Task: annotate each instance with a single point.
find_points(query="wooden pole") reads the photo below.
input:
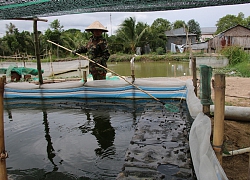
(194, 74)
(37, 52)
(219, 113)
(248, 175)
(85, 76)
(51, 65)
(132, 64)
(3, 171)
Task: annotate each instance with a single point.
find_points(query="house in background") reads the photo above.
(178, 37)
(202, 46)
(207, 33)
(234, 36)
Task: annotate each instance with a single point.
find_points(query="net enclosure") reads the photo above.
(11, 9)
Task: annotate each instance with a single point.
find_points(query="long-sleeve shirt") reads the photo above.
(96, 50)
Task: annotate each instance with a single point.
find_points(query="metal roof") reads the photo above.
(10, 9)
(178, 32)
(208, 30)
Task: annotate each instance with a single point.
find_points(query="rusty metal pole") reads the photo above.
(219, 114)
(3, 156)
(194, 74)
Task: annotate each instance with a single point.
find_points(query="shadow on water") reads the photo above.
(103, 131)
(70, 139)
(50, 149)
(69, 150)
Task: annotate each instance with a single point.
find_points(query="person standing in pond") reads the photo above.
(96, 50)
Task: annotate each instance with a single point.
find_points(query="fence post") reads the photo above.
(194, 74)
(219, 114)
(3, 155)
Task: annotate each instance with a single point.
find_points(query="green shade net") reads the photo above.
(33, 8)
(172, 108)
(20, 70)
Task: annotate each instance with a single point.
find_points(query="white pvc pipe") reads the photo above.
(235, 113)
(239, 151)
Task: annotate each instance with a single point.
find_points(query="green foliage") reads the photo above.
(229, 21)
(239, 62)
(194, 27)
(160, 51)
(235, 54)
(244, 68)
(55, 25)
(179, 24)
(130, 35)
(161, 25)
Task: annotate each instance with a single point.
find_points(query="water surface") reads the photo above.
(70, 139)
(145, 69)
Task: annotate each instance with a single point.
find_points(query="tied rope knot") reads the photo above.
(3, 155)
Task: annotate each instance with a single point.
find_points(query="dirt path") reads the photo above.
(237, 134)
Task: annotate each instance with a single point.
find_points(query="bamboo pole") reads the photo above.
(137, 87)
(238, 151)
(3, 171)
(194, 74)
(219, 111)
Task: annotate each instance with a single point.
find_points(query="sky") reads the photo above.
(206, 17)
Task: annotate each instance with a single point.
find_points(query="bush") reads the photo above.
(235, 54)
(160, 51)
(244, 68)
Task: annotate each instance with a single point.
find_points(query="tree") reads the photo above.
(247, 22)
(157, 33)
(54, 34)
(10, 28)
(229, 21)
(128, 35)
(161, 25)
(144, 36)
(179, 24)
(55, 25)
(74, 39)
(194, 27)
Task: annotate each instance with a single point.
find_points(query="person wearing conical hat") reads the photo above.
(96, 50)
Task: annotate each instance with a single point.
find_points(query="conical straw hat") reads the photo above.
(96, 25)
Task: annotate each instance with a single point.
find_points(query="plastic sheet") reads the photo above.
(205, 162)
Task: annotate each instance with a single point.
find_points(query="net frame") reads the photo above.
(12, 9)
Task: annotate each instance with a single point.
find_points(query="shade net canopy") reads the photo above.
(11, 9)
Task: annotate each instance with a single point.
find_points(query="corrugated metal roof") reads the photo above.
(208, 30)
(178, 32)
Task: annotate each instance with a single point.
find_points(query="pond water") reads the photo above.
(68, 139)
(75, 138)
(146, 69)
